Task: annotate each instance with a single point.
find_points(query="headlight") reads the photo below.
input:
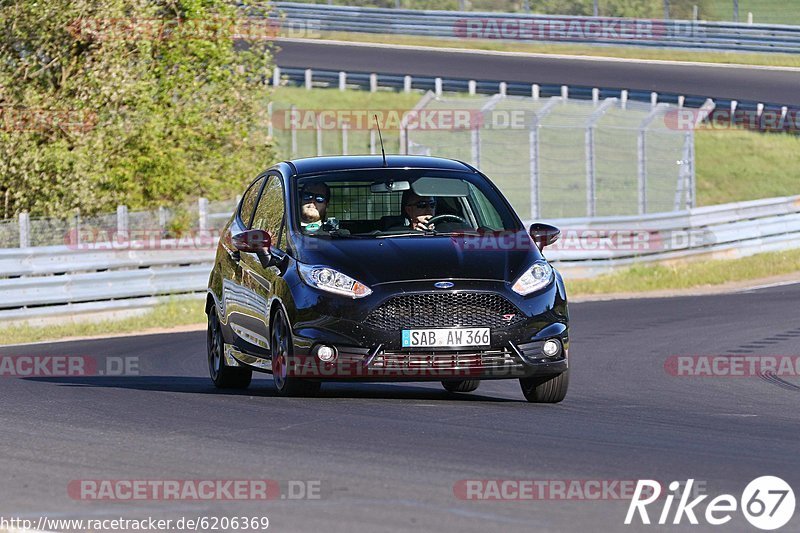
(538, 276)
(328, 279)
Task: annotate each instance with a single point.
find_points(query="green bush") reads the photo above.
(165, 117)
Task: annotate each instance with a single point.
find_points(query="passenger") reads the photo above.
(313, 206)
(418, 210)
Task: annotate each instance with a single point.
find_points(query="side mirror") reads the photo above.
(544, 234)
(252, 241)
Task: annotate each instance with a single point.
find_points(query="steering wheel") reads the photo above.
(437, 218)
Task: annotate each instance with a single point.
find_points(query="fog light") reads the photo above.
(326, 354)
(551, 348)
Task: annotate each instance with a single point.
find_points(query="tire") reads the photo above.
(282, 347)
(223, 376)
(461, 385)
(547, 389)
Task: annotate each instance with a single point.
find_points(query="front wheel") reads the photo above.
(281, 347)
(545, 390)
(223, 376)
(461, 385)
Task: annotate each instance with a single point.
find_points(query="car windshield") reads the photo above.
(387, 203)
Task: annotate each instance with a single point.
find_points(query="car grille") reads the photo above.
(444, 361)
(445, 310)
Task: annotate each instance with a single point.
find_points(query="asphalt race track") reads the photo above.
(761, 85)
(388, 456)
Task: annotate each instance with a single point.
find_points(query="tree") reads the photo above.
(142, 102)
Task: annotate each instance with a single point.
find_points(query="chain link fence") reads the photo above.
(76, 229)
(557, 158)
(552, 157)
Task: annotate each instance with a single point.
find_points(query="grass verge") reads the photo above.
(170, 314)
(622, 52)
(688, 275)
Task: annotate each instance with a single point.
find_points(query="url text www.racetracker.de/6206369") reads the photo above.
(195, 523)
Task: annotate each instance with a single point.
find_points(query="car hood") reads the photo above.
(375, 261)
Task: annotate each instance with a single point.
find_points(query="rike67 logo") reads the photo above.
(767, 503)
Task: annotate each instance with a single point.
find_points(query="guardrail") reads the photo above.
(373, 81)
(58, 281)
(525, 27)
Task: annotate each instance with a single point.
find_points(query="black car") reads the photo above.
(396, 269)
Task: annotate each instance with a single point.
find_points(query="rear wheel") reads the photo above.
(223, 376)
(461, 385)
(551, 389)
(281, 345)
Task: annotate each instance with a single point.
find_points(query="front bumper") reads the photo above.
(378, 364)
(368, 353)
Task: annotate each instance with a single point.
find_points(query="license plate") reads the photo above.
(422, 338)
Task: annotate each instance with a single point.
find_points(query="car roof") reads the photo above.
(316, 165)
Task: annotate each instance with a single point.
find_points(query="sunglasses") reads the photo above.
(308, 197)
(423, 204)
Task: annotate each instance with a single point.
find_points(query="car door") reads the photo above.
(263, 276)
(240, 309)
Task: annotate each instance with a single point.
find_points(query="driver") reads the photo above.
(418, 210)
(313, 206)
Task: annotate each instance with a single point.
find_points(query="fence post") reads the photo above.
(345, 126)
(690, 172)
(406, 84)
(503, 88)
(202, 214)
(533, 158)
(78, 225)
(309, 79)
(653, 99)
(319, 135)
(24, 230)
(595, 96)
(293, 131)
(404, 139)
(591, 178)
(373, 82)
(736, 10)
(475, 144)
(162, 217)
(122, 222)
(472, 87)
(535, 91)
(641, 168)
(641, 147)
(276, 76)
(372, 139)
(270, 130)
(342, 80)
(623, 98)
(437, 84)
(565, 92)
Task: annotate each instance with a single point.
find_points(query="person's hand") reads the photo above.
(423, 223)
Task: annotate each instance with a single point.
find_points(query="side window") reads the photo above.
(249, 201)
(269, 213)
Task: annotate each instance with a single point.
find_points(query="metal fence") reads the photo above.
(76, 229)
(544, 28)
(719, 10)
(552, 157)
